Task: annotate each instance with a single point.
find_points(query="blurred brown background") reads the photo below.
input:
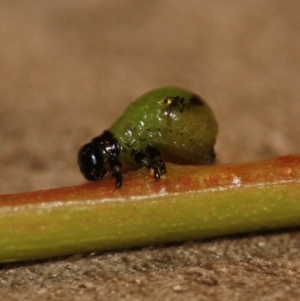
(69, 68)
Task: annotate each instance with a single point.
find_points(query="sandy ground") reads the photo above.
(69, 68)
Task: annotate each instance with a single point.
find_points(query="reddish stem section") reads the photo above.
(181, 178)
(189, 202)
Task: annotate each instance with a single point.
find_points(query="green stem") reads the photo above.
(190, 202)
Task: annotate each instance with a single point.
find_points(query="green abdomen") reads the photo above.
(173, 120)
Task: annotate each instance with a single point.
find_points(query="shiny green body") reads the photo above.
(173, 120)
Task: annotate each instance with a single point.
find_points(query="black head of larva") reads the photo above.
(102, 150)
(91, 162)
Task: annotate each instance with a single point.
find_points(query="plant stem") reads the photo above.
(189, 202)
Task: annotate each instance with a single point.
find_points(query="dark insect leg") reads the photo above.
(156, 159)
(116, 168)
(143, 160)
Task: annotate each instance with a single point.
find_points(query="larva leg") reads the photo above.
(142, 159)
(156, 159)
(116, 168)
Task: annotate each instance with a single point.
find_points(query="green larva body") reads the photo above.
(164, 122)
(173, 120)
